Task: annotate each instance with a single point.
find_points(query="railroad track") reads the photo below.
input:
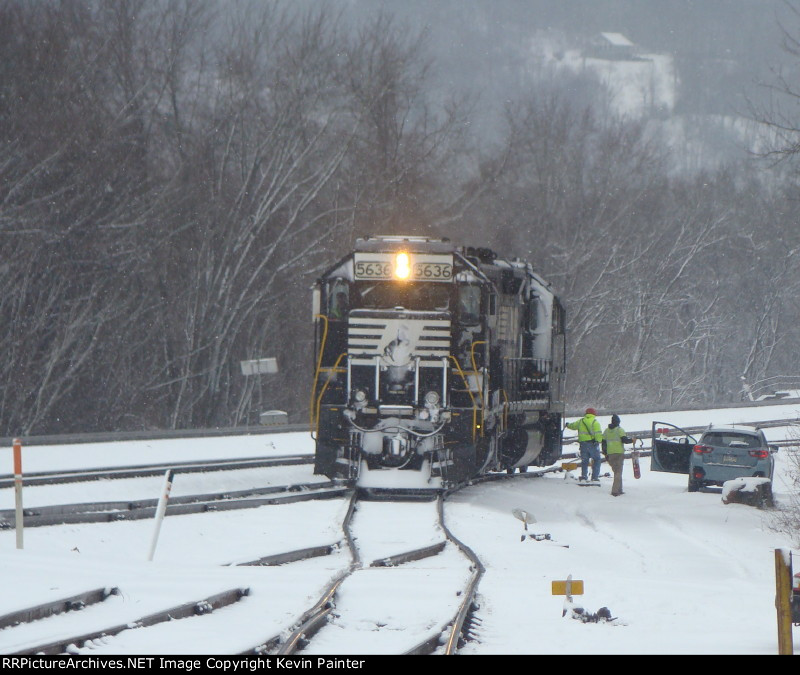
(104, 512)
(145, 470)
(453, 626)
(338, 626)
(87, 601)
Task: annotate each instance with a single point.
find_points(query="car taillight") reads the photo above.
(702, 449)
(796, 584)
(759, 454)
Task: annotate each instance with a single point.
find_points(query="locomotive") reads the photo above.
(434, 364)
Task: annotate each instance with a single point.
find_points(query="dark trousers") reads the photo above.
(590, 450)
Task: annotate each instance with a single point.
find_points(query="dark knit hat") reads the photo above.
(615, 420)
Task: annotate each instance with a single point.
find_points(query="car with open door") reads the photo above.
(720, 454)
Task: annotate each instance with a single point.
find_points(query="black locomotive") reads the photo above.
(434, 364)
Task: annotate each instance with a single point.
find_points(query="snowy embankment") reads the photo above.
(681, 572)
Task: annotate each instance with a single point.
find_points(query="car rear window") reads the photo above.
(721, 439)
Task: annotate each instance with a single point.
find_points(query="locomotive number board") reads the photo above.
(402, 266)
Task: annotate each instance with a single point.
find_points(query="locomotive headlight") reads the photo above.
(360, 398)
(432, 399)
(402, 266)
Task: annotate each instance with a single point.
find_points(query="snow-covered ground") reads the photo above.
(682, 573)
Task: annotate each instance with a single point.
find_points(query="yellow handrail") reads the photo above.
(312, 422)
(475, 370)
(322, 391)
(472, 398)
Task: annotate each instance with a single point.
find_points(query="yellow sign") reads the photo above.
(569, 466)
(560, 587)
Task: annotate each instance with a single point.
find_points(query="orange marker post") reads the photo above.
(17, 445)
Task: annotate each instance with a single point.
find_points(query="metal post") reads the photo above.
(783, 594)
(161, 510)
(349, 379)
(377, 378)
(17, 445)
(416, 381)
(445, 402)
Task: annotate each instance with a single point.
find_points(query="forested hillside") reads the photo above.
(174, 174)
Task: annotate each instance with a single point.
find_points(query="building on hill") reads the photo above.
(611, 47)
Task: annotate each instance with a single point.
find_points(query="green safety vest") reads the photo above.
(613, 439)
(588, 429)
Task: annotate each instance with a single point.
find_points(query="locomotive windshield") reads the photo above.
(414, 296)
(338, 299)
(469, 304)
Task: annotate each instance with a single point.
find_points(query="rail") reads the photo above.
(186, 610)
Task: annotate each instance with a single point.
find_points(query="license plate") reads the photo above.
(729, 459)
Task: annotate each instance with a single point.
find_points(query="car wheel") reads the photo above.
(695, 485)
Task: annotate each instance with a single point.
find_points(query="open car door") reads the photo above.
(672, 448)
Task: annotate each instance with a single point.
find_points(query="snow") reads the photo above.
(746, 484)
(681, 573)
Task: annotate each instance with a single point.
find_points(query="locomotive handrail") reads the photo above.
(469, 391)
(475, 370)
(505, 410)
(311, 421)
(322, 393)
(545, 372)
(479, 381)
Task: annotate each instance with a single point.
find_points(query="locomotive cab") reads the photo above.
(433, 364)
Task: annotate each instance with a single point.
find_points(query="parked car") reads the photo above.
(720, 454)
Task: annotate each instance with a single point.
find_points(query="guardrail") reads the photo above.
(152, 435)
(162, 434)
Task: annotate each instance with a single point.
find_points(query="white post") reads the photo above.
(161, 510)
(17, 444)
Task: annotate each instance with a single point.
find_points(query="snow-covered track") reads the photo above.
(70, 604)
(458, 624)
(315, 617)
(291, 556)
(107, 473)
(75, 642)
(104, 512)
(335, 623)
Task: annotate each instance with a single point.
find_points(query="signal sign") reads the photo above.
(568, 587)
